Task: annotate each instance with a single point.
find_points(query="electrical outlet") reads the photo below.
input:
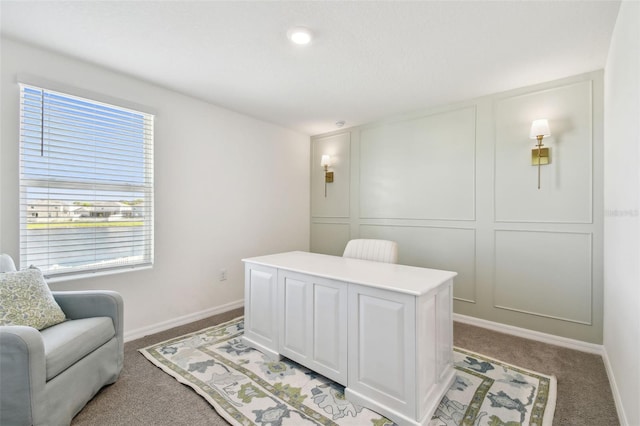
(223, 274)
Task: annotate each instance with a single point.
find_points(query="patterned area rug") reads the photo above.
(247, 388)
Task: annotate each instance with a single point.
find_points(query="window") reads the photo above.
(86, 184)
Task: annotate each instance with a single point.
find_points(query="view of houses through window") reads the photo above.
(86, 184)
(54, 212)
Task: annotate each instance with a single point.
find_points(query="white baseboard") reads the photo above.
(551, 339)
(175, 322)
(622, 417)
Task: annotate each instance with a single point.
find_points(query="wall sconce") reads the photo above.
(539, 155)
(325, 162)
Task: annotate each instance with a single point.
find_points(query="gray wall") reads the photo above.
(454, 186)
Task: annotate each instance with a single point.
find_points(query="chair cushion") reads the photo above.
(25, 299)
(70, 341)
(376, 250)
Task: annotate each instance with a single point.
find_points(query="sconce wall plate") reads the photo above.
(539, 155)
(544, 158)
(325, 162)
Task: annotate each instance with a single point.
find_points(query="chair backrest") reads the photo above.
(6, 263)
(377, 250)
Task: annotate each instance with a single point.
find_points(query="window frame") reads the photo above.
(145, 188)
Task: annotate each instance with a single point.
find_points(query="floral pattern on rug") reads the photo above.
(487, 392)
(248, 388)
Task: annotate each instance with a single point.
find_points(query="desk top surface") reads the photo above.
(400, 278)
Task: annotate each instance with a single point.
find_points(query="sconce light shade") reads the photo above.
(539, 128)
(325, 161)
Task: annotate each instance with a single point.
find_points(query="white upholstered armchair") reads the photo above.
(47, 375)
(376, 250)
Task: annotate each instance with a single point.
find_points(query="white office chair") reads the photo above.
(376, 250)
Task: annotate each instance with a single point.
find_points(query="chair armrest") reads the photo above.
(22, 373)
(89, 304)
(95, 303)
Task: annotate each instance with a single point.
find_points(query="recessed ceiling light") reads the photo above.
(299, 35)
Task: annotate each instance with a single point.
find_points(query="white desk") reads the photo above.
(384, 331)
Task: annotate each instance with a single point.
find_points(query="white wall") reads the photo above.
(622, 207)
(227, 186)
(454, 186)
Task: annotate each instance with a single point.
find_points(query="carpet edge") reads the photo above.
(499, 361)
(224, 414)
(550, 412)
(550, 409)
(203, 330)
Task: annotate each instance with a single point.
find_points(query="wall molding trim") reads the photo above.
(413, 181)
(586, 80)
(185, 319)
(522, 311)
(383, 222)
(551, 339)
(495, 283)
(622, 417)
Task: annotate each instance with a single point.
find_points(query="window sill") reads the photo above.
(72, 277)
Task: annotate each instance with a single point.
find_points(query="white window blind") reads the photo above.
(86, 184)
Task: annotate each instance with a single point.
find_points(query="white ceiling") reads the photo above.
(368, 60)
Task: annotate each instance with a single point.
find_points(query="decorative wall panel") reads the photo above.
(329, 238)
(544, 273)
(336, 201)
(565, 195)
(451, 249)
(423, 168)
(454, 186)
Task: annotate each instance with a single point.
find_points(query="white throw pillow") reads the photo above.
(25, 299)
